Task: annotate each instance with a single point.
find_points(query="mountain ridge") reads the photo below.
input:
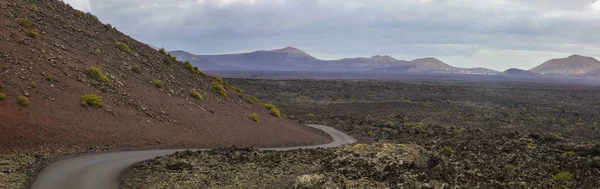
(294, 59)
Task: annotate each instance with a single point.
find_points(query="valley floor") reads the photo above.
(413, 134)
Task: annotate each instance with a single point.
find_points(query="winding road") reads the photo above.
(101, 171)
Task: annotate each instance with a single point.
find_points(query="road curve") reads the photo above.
(101, 171)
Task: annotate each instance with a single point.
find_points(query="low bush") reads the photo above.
(457, 131)
(123, 46)
(78, 13)
(162, 50)
(2, 96)
(92, 100)
(447, 149)
(570, 154)
(254, 117)
(136, 68)
(23, 100)
(310, 115)
(240, 91)
(564, 176)
(96, 73)
(26, 23)
(269, 106)
(167, 60)
(50, 78)
(275, 112)
(218, 88)
(172, 57)
(5, 67)
(34, 84)
(196, 94)
(157, 83)
(191, 67)
(32, 33)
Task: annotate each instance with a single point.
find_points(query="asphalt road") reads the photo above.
(101, 171)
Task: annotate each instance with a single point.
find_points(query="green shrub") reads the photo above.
(196, 95)
(254, 117)
(191, 67)
(144, 61)
(218, 88)
(26, 23)
(371, 133)
(50, 78)
(136, 68)
(157, 83)
(219, 80)
(162, 50)
(78, 13)
(123, 46)
(239, 90)
(23, 100)
(570, 154)
(125, 40)
(32, 33)
(275, 112)
(92, 100)
(167, 60)
(457, 131)
(310, 115)
(269, 106)
(172, 57)
(510, 166)
(564, 176)
(5, 67)
(96, 73)
(33, 84)
(253, 98)
(531, 144)
(447, 149)
(2, 96)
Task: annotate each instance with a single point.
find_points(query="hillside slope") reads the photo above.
(47, 52)
(572, 65)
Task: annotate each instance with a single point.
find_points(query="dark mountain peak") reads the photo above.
(428, 59)
(293, 51)
(514, 70)
(431, 62)
(288, 49)
(385, 58)
(577, 56)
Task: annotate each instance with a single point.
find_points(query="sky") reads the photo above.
(496, 34)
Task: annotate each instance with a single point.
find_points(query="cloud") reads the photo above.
(83, 5)
(469, 29)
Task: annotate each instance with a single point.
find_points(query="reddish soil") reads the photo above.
(135, 112)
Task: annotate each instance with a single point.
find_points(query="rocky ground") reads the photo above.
(470, 135)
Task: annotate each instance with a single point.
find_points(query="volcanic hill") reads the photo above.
(66, 80)
(572, 65)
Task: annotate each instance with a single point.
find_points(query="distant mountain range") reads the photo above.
(293, 59)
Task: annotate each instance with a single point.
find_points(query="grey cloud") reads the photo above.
(410, 28)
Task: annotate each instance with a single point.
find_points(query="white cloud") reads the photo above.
(595, 6)
(457, 29)
(83, 5)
